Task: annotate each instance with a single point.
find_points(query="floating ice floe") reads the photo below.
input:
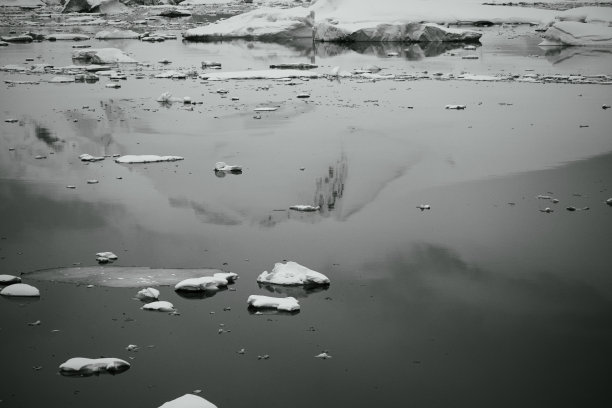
(331, 31)
(259, 74)
(81, 366)
(265, 23)
(288, 304)
(206, 283)
(102, 56)
(324, 356)
(146, 159)
(132, 347)
(9, 279)
(160, 306)
(67, 37)
(305, 208)
(104, 257)
(580, 26)
(20, 289)
(189, 401)
(456, 107)
(292, 273)
(222, 166)
(89, 158)
(148, 294)
(116, 35)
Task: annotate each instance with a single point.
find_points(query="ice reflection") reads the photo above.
(411, 52)
(293, 291)
(561, 54)
(47, 136)
(199, 295)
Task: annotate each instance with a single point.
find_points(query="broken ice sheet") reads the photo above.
(118, 276)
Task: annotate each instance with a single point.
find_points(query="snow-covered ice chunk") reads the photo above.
(292, 273)
(189, 401)
(103, 56)
(9, 279)
(81, 366)
(107, 255)
(324, 355)
(146, 159)
(288, 304)
(160, 306)
(305, 208)
(20, 289)
(222, 166)
(206, 283)
(89, 158)
(147, 294)
(265, 23)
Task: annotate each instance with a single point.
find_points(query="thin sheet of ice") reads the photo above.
(147, 158)
(118, 276)
(188, 401)
(288, 304)
(20, 289)
(292, 273)
(259, 74)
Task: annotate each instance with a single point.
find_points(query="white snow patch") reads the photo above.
(288, 304)
(20, 289)
(160, 306)
(189, 401)
(292, 273)
(146, 159)
(89, 366)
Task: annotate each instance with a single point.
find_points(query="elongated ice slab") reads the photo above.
(159, 306)
(288, 304)
(189, 401)
(20, 289)
(81, 366)
(89, 158)
(146, 159)
(305, 208)
(292, 273)
(119, 276)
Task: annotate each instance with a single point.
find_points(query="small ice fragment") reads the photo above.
(303, 95)
(210, 64)
(323, 356)
(92, 181)
(241, 351)
(132, 347)
(20, 289)
(606, 106)
(89, 158)
(10, 120)
(469, 47)
(266, 109)
(39, 157)
(165, 61)
(570, 208)
(113, 85)
(89, 286)
(544, 197)
(547, 210)
(264, 357)
(424, 207)
(222, 91)
(288, 304)
(470, 57)
(456, 107)
(36, 323)
(108, 255)
(71, 187)
(186, 99)
(9, 279)
(609, 201)
(555, 201)
(222, 166)
(160, 305)
(305, 208)
(148, 293)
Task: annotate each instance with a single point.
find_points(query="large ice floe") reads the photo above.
(20, 289)
(85, 367)
(147, 158)
(119, 276)
(287, 304)
(580, 26)
(188, 401)
(206, 283)
(102, 56)
(366, 20)
(292, 273)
